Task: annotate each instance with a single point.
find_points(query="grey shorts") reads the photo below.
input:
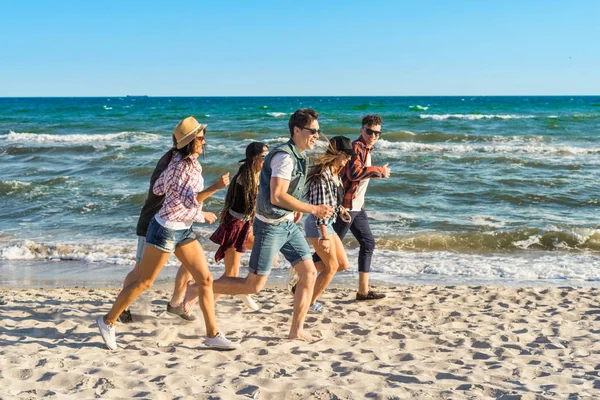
(140, 249)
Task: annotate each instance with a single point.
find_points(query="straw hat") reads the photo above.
(187, 130)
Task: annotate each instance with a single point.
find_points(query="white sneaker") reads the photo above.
(317, 308)
(107, 332)
(220, 342)
(248, 301)
(293, 279)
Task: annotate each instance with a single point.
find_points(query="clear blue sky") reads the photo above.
(289, 48)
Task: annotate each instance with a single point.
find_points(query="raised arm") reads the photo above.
(356, 169)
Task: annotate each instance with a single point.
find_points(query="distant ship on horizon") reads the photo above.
(137, 96)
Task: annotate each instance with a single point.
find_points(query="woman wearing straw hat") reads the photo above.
(170, 231)
(152, 205)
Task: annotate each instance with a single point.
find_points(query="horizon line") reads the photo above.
(296, 96)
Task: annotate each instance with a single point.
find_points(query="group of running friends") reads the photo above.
(265, 200)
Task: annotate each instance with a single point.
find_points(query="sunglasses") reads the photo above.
(315, 132)
(371, 132)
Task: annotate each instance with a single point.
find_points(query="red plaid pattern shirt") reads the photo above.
(356, 170)
(180, 183)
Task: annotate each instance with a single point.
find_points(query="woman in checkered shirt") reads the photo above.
(170, 231)
(324, 186)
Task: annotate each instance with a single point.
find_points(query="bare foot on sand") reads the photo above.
(191, 297)
(304, 336)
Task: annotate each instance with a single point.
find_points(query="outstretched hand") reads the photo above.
(386, 170)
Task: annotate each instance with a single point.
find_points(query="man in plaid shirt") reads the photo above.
(355, 177)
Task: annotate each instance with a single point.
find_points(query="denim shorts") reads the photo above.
(311, 229)
(270, 239)
(166, 239)
(140, 248)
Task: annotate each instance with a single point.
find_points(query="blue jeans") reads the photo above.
(360, 228)
(167, 239)
(270, 239)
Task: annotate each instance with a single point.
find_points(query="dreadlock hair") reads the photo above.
(248, 179)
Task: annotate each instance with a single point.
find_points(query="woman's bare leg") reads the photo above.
(132, 275)
(331, 262)
(192, 257)
(181, 283)
(152, 262)
(232, 261)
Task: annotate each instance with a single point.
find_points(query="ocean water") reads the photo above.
(483, 189)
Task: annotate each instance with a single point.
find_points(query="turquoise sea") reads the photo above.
(497, 190)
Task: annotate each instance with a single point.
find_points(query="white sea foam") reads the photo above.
(16, 253)
(418, 108)
(482, 220)
(517, 148)
(390, 265)
(44, 138)
(272, 140)
(277, 114)
(390, 215)
(442, 117)
(577, 237)
(15, 184)
(92, 253)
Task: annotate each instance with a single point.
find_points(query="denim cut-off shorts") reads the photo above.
(311, 229)
(270, 239)
(167, 239)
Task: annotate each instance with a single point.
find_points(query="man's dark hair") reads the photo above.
(372, 120)
(302, 118)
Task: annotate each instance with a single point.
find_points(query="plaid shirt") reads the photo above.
(180, 183)
(356, 171)
(324, 191)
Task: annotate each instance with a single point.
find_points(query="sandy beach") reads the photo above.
(425, 342)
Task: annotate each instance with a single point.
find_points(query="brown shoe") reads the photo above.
(369, 296)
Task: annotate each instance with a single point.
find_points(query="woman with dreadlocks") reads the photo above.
(234, 234)
(324, 186)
